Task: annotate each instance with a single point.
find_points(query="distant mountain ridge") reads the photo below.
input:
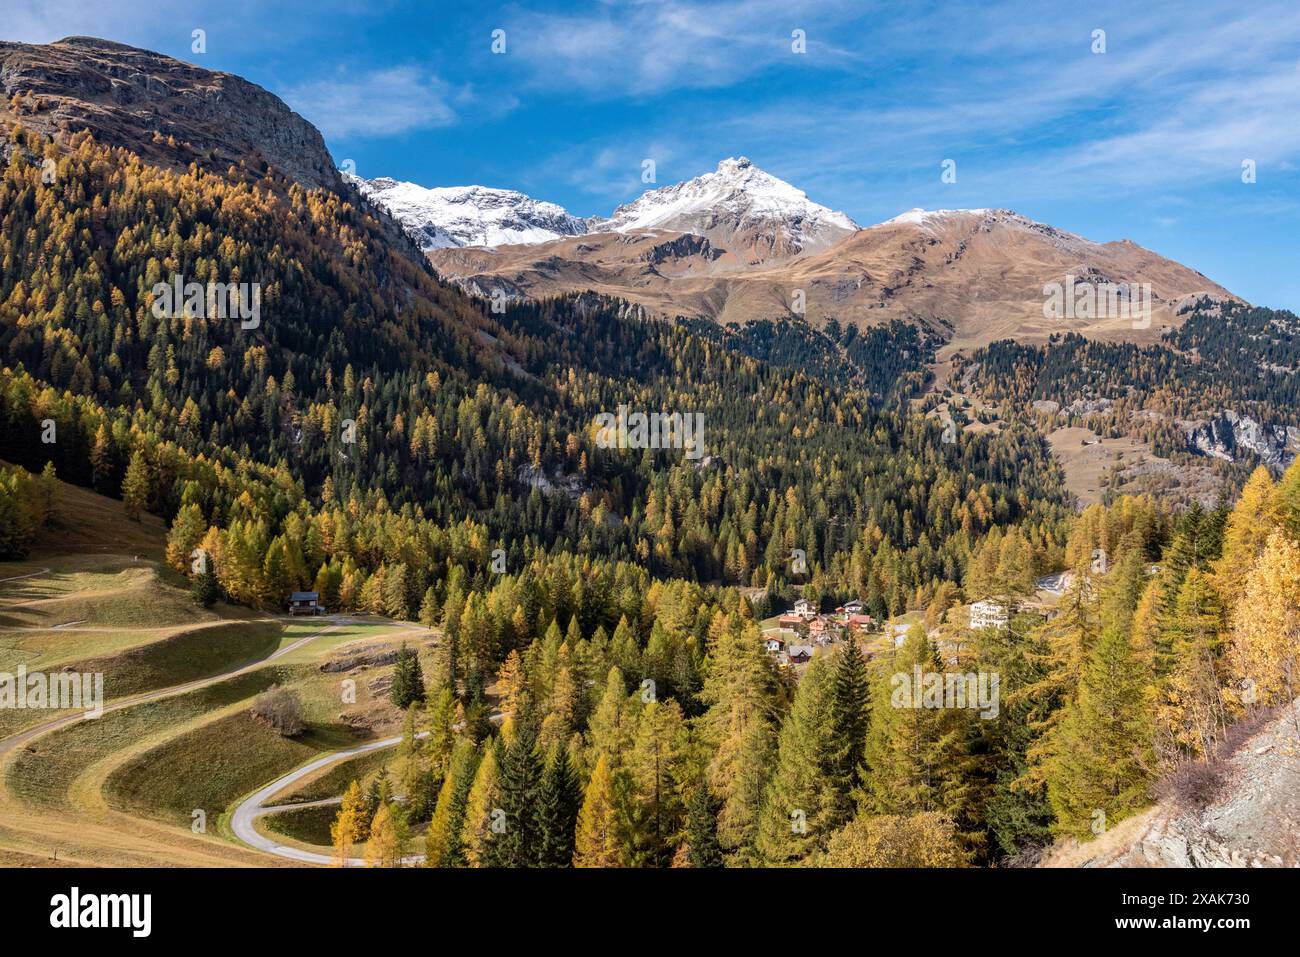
(737, 245)
(969, 276)
(733, 245)
(739, 206)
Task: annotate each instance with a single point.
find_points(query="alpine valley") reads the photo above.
(367, 581)
(794, 282)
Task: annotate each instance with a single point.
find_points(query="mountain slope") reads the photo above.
(1254, 820)
(167, 111)
(370, 385)
(983, 273)
(972, 276)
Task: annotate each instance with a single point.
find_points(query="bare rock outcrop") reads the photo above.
(1254, 822)
(125, 96)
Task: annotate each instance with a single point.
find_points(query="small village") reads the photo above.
(795, 636)
(798, 633)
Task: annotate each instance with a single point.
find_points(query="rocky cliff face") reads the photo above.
(170, 112)
(1227, 435)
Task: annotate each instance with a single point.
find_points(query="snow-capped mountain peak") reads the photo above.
(469, 215)
(739, 206)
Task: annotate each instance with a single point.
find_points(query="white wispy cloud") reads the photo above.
(384, 102)
(1180, 97)
(649, 46)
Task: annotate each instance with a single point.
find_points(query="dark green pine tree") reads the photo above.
(702, 847)
(558, 802)
(477, 713)
(1212, 532)
(1102, 758)
(399, 693)
(521, 779)
(417, 678)
(204, 589)
(1204, 531)
(377, 793)
(408, 679)
(850, 715)
(1179, 558)
(1014, 816)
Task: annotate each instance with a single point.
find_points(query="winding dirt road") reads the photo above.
(250, 809)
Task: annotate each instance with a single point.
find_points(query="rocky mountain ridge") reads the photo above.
(170, 112)
(750, 212)
(967, 276)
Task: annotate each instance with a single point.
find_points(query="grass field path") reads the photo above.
(28, 832)
(17, 740)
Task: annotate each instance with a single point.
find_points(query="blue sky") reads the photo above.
(1144, 141)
